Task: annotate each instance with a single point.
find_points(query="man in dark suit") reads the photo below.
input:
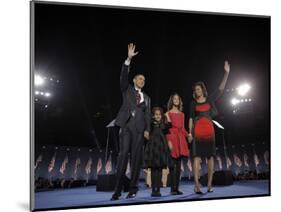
(134, 122)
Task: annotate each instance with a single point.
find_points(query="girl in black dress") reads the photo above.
(157, 151)
(201, 129)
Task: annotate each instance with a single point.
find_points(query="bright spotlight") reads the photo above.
(38, 80)
(235, 101)
(37, 92)
(243, 89)
(47, 94)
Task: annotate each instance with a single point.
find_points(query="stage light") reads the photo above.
(243, 89)
(47, 94)
(38, 80)
(235, 101)
(37, 92)
(42, 93)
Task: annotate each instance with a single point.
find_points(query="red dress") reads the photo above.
(203, 144)
(204, 129)
(177, 135)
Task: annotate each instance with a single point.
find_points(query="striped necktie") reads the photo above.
(138, 97)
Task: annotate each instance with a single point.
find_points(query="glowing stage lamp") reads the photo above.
(47, 94)
(38, 80)
(243, 89)
(235, 101)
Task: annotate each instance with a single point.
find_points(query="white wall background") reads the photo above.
(14, 111)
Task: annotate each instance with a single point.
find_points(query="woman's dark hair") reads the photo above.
(170, 102)
(203, 87)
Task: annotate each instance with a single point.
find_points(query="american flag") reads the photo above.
(219, 162)
(189, 165)
(52, 163)
(88, 166)
(128, 170)
(256, 159)
(108, 166)
(237, 160)
(200, 161)
(99, 166)
(39, 159)
(245, 157)
(182, 167)
(228, 162)
(77, 163)
(63, 165)
(266, 157)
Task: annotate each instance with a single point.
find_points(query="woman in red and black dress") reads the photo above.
(201, 129)
(176, 138)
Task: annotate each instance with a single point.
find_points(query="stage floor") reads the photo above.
(88, 196)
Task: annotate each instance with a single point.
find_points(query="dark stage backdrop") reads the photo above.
(84, 47)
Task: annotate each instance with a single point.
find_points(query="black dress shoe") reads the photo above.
(131, 195)
(210, 190)
(159, 194)
(115, 196)
(179, 192)
(156, 194)
(176, 192)
(198, 191)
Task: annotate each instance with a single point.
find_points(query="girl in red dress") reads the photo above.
(202, 133)
(176, 138)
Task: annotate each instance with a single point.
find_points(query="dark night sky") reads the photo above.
(84, 48)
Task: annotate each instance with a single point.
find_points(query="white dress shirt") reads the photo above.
(141, 94)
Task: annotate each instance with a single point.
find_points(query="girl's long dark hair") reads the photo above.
(170, 102)
(163, 121)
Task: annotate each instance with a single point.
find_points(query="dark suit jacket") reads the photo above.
(140, 114)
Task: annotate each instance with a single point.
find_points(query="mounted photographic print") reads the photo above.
(142, 106)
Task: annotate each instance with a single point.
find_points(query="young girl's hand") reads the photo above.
(167, 117)
(170, 145)
(189, 137)
(146, 135)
